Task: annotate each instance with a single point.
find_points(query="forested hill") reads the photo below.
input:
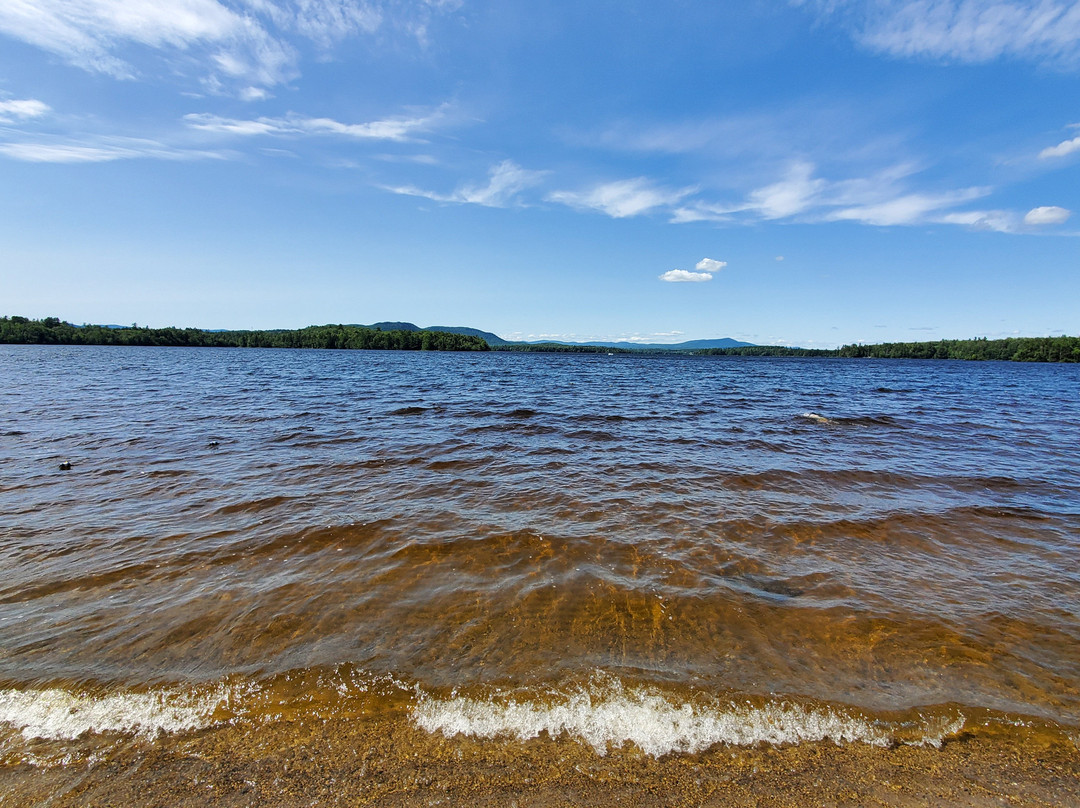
(1017, 349)
(52, 331)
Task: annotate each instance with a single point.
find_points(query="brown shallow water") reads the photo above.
(346, 578)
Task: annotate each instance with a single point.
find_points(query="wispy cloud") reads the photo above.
(88, 33)
(884, 199)
(325, 22)
(792, 195)
(22, 109)
(246, 41)
(999, 221)
(505, 182)
(622, 198)
(102, 151)
(907, 209)
(398, 128)
(961, 30)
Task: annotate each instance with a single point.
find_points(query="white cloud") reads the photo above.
(621, 199)
(85, 32)
(999, 221)
(1062, 149)
(710, 265)
(506, 180)
(905, 209)
(791, 195)
(698, 211)
(101, 152)
(882, 199)
(22, 109)
(254, 94)
(1048, 214)
(231, 126)
(684, 276)
(325, 22)
(245, 40)
(961, 30)
(399, 129)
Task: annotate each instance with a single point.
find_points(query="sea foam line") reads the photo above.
(655, 724)
(57, 714)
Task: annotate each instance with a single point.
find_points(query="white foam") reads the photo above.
(61, 714)
(646, 718)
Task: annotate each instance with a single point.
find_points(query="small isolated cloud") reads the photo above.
(1048, 214)
(1064, 148)
(685, 276)
(621, 199)
(710, 265)
(779, 258)
(21, 109)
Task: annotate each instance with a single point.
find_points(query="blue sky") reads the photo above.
(813, 172)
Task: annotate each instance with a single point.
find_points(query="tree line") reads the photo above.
(53, 331)
(1015, 349)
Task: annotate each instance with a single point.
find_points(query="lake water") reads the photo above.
(323, 577)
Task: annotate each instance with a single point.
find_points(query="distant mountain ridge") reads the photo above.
(495, 339)
(487, 336)
(691, 345)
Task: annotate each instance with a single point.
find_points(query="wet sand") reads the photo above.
(367, 762)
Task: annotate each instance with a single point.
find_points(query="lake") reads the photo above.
(332, 577)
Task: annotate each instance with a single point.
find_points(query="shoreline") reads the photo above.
(369, 761)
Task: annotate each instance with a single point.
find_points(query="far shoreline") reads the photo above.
(16, 330)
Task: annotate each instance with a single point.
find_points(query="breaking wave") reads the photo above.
(608, 715)
(57, 714)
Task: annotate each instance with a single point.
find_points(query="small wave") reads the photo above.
(522, 412)
(608, 716)
(597, 435)
(408, 411)
(854, 420)
(254, 506)
(57, 714)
